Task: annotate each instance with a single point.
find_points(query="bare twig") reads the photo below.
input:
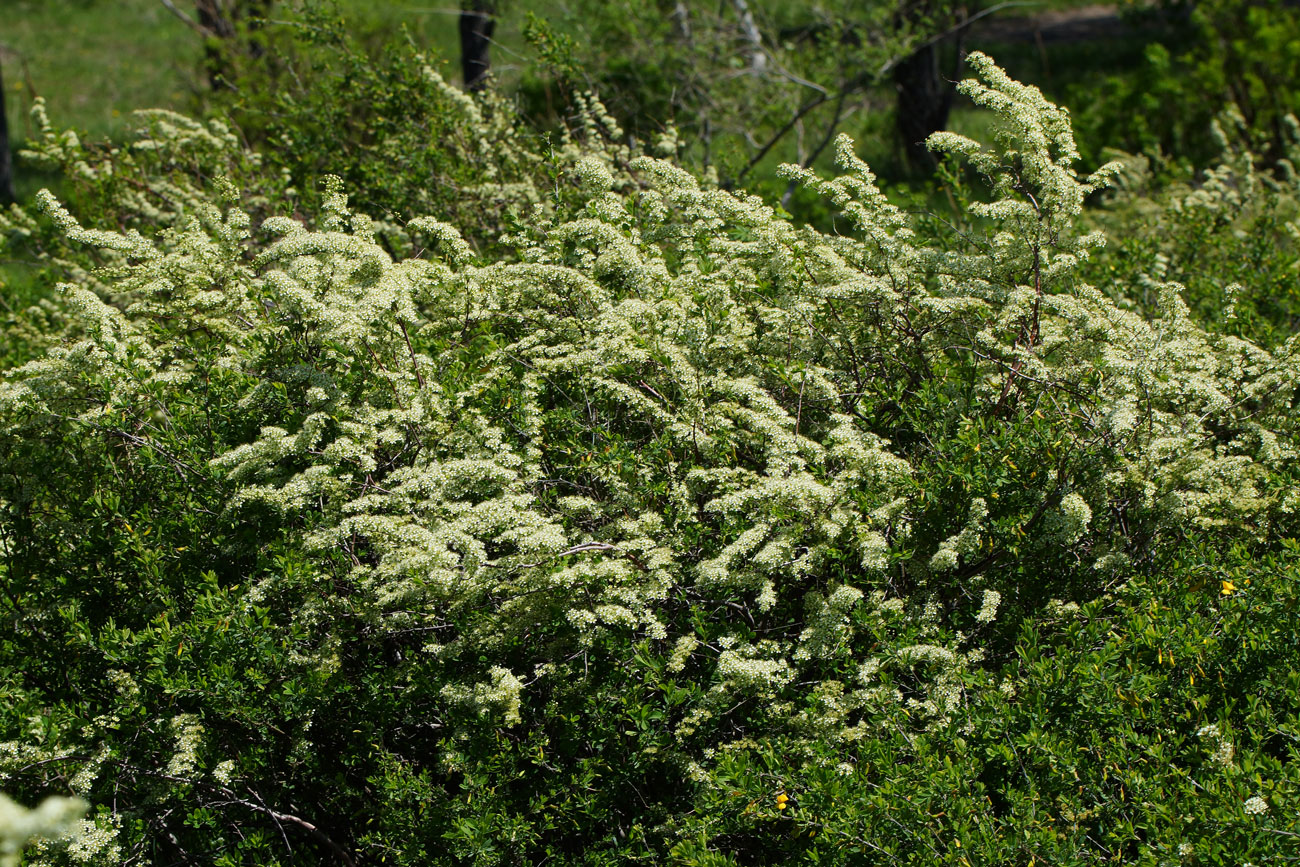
(316, 833)
(415, 365)
(189, 22)
(781, 133)
(585, 547)
(821, 146)
(650, 389)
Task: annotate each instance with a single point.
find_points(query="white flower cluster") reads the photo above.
(189, 737)
(593, 176)
(224, 772)
(989, 607)
(15, 755)
(828, 629)
(124, 683)
(1223, 750)
(500, 694)
(963, 544)
(1075, 516)
(748, 673)
(682, 651)
(86, 775)
(94, 841)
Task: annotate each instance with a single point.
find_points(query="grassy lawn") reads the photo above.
(94, 62)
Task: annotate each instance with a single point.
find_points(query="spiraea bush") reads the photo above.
(467, 157)
(385, 120)
(676, 533)
(1227, 234)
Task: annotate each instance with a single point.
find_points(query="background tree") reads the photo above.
(6, 158)
(750, 84)
(220, 23)
(925, 79)
(477, 23)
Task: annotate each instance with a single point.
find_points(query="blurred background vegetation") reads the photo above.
(1135, 75)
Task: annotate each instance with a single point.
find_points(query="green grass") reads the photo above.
(94, 61)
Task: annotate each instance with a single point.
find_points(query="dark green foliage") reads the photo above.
(1201, 58)
(1089, 747)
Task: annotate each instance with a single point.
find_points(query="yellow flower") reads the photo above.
(1228, 588)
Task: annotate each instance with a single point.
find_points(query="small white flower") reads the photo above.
(189, 733)
(1075, 516)
(1255, 806)
(682, 651)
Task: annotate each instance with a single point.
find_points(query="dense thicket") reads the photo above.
(655, 527)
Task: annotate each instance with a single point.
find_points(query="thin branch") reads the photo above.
(415, 365)
(311, 829)
(802, 82)
(231, 798)
(821, 146)
(757, 57)
(189, 22)
(862, 79)
(583, 548)
(781, 133)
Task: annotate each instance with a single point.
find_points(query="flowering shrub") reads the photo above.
(1228, 236)
(403, 139)
(677, 531)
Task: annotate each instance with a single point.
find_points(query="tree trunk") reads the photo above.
(924, 100)
(220, 28)
(220, 20)
(477, 22)
(6, 157)
(925, 94)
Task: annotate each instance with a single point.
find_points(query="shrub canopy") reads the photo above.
(675, 531)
